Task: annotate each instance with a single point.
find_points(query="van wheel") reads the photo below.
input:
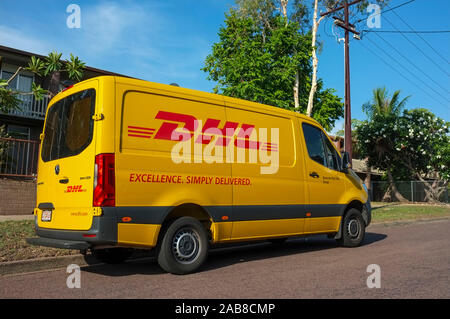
(184, 246)
(353, 229)
(112, 255)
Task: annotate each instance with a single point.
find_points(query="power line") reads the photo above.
(414, 65)
(398, 72)
(416, 32)
(423, 53)
(400, 5)
(435, 51)
(407, 70)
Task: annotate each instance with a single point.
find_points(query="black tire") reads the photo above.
(353, 229)
(112, 255)
(183, 247)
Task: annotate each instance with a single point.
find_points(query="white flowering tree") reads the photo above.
(416, 140)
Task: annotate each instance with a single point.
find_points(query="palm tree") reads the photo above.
(382, 106)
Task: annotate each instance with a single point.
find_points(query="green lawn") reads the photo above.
(13, 245)
(385, 212)
(13, 233)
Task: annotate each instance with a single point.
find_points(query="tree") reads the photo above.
(262, 12)
(53, 66)
(383, 109)
(416, 141)
(382, 105)
(423, 147)
(261, 59)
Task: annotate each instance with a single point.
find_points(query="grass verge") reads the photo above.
(13, 246)
(401, 212)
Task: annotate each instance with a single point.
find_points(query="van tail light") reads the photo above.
(104, 180)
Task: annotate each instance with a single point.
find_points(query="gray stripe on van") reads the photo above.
(157, 214)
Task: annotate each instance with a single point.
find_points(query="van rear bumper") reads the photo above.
(103, 232)
(58, 243)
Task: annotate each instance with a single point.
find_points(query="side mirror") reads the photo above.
(346, 162)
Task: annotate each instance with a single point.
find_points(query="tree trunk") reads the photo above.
(432, 192)
(54, 83)
(283, 4)
(312, 92)
(368, 178)
(394, 191)
(296, 85)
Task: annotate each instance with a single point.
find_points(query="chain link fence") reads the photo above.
(414, 191)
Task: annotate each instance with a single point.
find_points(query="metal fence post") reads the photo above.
(412, 191)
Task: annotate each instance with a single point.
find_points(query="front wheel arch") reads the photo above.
(353, 204)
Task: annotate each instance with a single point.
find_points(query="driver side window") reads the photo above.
(319, 147)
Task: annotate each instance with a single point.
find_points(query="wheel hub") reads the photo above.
(185, 245)
(353, 228)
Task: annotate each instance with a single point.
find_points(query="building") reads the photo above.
(359, 165)
(18, 163)
(27, 123)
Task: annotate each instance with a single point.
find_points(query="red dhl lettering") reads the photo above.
(177, 179)
(75, 189)
(168, 131)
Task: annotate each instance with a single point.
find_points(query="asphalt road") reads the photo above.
(414, 260)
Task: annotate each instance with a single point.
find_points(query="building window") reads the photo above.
(21, 83)
(19, 132)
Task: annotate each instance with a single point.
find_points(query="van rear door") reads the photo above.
(67, 161)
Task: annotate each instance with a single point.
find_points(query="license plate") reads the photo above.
(46, 216)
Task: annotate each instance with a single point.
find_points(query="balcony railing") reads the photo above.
(18, 158)
(30, 107)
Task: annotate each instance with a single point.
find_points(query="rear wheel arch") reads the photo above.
(186, 210)
(184, 239)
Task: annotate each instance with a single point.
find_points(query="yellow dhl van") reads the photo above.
(108, 179)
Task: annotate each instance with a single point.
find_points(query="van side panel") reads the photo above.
(147, 177)
(274, 204)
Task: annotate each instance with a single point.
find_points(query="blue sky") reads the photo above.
(167, 41)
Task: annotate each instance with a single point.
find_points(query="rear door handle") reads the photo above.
(314, 175)
(64, 181)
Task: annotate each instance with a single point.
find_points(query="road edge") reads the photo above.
(49, 263)
(37, 264)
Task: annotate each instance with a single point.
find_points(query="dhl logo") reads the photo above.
(190, 124)
(75, 189)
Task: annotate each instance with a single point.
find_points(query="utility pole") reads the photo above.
(348, 27)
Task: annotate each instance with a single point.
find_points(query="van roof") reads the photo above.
(176, 89)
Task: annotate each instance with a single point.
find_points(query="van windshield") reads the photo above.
(69, 126)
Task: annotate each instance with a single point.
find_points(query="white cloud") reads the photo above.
(21, 40)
